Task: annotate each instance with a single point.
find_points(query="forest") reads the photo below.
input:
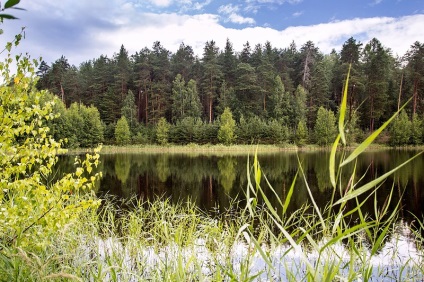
(260, 94)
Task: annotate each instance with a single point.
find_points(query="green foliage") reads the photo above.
(400, 131)
(185, 99)
(122, 132)
(162, 130)
(10, 4)
(352, 128)
(298, 106)
(416, 130)
(288, 85)
(86, 129)
(227, 127)
(333, 223)
(187, 130)
(129, 111)
(280, 101)
(301, 135)
(277, 132)
(325, 127)
(33, 203)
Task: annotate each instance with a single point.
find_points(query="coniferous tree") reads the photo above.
(280, 101)
(182, 62)
(129, 111)
(143, 82)
(299, 106)
(123, 71)
(245, 54)
(179, 98)
(212, 76)
(246, 90)
(194, 107)
(415, 71)
(226, 98)
(228, 62)
(376, 66)
(161, 83)
(266, 74)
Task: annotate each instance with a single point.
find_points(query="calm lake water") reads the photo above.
(213, 182)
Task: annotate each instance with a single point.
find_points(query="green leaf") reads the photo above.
(332, 162)
(343, 109)
(289, 195)
(371, 184)
(11, 3)
(371, 138)
(7, 16)
(8, 46)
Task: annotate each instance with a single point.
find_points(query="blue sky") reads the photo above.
(83, 30)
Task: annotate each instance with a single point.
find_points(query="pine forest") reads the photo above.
(260, 94)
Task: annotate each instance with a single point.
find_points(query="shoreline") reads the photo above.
(223, 149)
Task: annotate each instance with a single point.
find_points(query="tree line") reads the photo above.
(274, 95)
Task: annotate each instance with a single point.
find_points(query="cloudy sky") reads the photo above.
(83, 30)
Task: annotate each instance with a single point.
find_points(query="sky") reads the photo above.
(84, 30)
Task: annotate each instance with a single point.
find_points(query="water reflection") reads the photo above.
(212, 181)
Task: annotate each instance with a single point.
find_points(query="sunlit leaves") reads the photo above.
(34, 199)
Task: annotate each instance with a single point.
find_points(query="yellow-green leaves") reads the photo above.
(32, 205)
(343, 109)
(370, 139)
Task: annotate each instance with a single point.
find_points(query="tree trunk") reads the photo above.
(414, 106)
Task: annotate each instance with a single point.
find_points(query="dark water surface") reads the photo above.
(212, 181)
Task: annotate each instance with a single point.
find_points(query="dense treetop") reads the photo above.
(260, 82)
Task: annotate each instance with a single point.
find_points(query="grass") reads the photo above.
(164, 242)
(217, 149)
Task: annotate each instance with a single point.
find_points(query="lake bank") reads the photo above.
(220, 149)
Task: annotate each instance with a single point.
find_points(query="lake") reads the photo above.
(213, 182)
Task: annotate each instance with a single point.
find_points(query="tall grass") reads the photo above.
(255, 240)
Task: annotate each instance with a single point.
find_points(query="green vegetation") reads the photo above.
(227, 127)
(35, 203)
(162, 130)
(269, 91)
(122, 132)
(52, 226)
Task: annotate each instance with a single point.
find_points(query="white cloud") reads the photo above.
(200, 5)
(161, 3)
(236, 18)
(83, 31)
(375, 2)
(297, 14)
(228, 9)
(233, 16)
(395, 33)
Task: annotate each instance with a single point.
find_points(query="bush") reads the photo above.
(34, 202)
(325, 127)
(227, 127)
(162, 130)
(400, 131)
(122, 132)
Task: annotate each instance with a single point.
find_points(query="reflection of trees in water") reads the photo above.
(162, 168)
(227, 173)
(122, 167)
(211, 181)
